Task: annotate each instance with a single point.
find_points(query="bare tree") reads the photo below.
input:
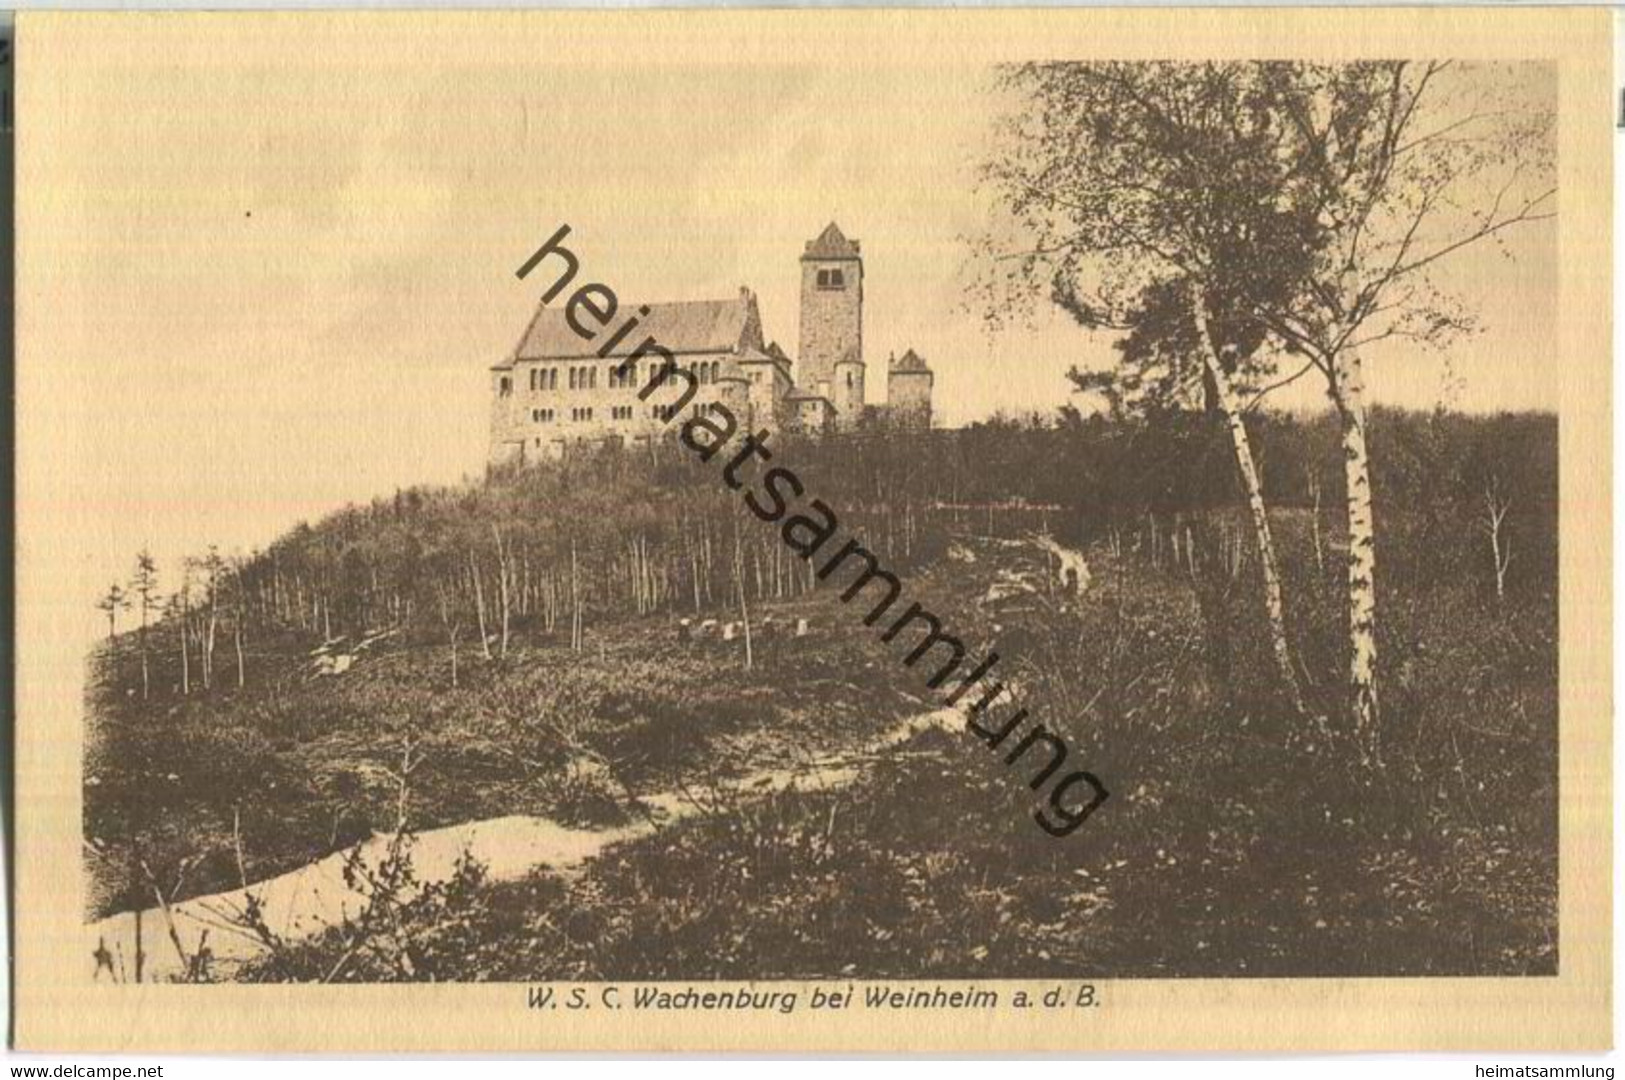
(180, 612)
(113, 601)
(238, 614)
(479, 605)
(504, 588)
(739, 587)
(145, 586)
(451, 623)
(1496, 506)
(1311, 479)
(213, 571)
(576, 636)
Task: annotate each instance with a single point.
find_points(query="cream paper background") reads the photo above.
(85, 465)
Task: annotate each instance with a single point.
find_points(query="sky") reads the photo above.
(282, 267)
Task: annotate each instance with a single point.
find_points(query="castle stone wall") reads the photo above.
(534, 424)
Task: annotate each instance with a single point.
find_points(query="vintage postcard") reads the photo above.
(811, 531)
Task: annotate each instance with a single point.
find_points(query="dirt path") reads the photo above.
(302, 903)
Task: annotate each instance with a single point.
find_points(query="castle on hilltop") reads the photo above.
(556, 389)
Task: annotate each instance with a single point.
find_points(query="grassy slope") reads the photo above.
(1237, 841)
(304, 760)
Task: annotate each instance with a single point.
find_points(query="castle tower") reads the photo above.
(846, 393)
(908, 391)
(831, 307)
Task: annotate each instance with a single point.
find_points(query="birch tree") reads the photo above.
(1394, 168)
(1138, 204)
(144, 584)
(1368, 176)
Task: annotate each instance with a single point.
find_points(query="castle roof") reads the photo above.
(831, 244)
(685, 326)
(910, 361)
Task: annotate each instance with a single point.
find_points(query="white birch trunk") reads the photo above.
(146, 678)
(1253, 492)
(575, 601)
(208, 651)
(504, 571)
(739, 586)
(1500, 545)
(479, 607)
(1349, 395)
(186, 667)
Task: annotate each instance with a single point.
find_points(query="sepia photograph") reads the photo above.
(740, 528)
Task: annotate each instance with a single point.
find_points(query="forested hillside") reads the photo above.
(522, 638)
(616, 533)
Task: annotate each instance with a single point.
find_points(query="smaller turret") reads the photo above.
(909, 382)
(847, 393)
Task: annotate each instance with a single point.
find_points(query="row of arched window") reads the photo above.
(585, 376)
(584, 414)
